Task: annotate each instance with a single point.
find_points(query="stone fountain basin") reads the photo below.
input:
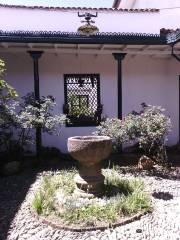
(89, 150)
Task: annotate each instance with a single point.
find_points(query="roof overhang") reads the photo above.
(173, 39)
(73, 43)
(114, 8)
(63, 37)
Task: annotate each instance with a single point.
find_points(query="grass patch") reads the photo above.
(44, 199)
(122, 198)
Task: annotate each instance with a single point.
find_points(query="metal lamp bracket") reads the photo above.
(87, 17)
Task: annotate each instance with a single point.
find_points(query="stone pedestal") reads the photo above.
(89, 181)
(89, 151)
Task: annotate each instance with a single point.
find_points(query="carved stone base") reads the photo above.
(89, 151)
(89, 186)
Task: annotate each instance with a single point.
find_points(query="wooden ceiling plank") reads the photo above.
(101, 47)
(5, 45)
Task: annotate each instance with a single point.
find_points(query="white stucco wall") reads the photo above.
(154, 81)
(151, 3)
(68, 21)
(14, 19)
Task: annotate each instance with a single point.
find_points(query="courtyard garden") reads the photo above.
(19, 193)
(124, 183)
(122, 198)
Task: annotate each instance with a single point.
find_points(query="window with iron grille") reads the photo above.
(82, 99)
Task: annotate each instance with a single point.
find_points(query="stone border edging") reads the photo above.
(84, 229)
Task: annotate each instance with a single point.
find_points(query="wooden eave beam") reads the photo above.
(124, 48)
(5, 45)
(89, 51)
(30, 45)
(101, 47)
(145, 47)
(78, 46)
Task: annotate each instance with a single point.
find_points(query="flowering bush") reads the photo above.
(39, 114)
(155, 127)
(8, 116)
(120, 131)
(149, 128)
(18, 119)
(114, 129)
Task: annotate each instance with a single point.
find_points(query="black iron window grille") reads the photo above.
(82, 99)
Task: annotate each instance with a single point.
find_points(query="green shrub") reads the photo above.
(149, 128)
(18, 118)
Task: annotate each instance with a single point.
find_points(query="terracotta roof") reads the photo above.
(82, 8)
(75, 38)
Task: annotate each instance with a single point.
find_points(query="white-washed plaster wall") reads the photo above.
(172, 95)
(68, 21)
(154, 81)
(151, 4)
(19, 71)
(53, 76)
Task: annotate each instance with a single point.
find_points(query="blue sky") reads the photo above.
(61, 3)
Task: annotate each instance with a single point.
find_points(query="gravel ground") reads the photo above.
(17, 223)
